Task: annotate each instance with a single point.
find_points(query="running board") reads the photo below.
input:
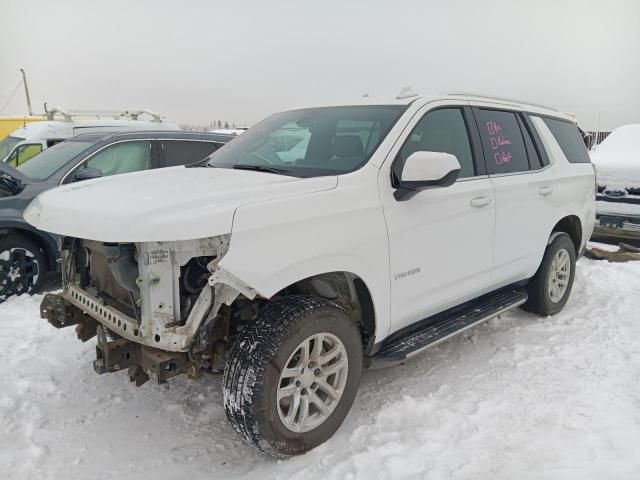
(429, 332)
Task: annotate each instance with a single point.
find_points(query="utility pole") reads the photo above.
(26, 90)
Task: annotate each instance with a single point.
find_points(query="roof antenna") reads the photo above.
(406, 92)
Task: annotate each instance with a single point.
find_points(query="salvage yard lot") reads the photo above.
(520, 397)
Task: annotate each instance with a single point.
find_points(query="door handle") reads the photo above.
(544, 191)
(480, 201)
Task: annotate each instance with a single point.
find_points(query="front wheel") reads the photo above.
(292, 375)
(21, 266)
(550, 287)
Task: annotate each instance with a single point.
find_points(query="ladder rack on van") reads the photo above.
(68, 115)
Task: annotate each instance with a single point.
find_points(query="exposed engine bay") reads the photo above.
(169, 296)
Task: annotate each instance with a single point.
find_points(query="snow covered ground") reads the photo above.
(520, 397)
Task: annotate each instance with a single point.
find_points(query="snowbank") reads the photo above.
(617, 158)
(521, 397)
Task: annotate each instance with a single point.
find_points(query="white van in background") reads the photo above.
(29, 140)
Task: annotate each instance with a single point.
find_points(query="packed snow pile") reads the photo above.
(521, 397)
(617, 158)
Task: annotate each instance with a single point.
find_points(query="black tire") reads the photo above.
(261, 352)
(22, 266)
(540, 300)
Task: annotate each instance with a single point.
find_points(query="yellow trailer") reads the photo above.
(9, 124)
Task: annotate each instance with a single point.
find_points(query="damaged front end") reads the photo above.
(159, 309)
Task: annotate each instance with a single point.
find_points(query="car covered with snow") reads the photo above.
(322, 241)
(617, 160)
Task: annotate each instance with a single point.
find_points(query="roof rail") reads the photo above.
(501, 99)
(115, 114)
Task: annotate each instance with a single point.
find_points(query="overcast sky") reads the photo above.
(197, 61)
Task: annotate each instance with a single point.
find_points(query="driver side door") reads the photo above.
(440, 240)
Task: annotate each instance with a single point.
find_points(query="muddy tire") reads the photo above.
(22, 266)
(292, 375)
(551, 286)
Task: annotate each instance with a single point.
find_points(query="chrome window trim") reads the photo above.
(475, 177)
(524, 172)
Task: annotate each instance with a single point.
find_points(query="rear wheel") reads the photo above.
(292, 375)
(550, 287)
(21, 266)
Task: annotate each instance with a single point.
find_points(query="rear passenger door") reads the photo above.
(174, 153)
(524, 187)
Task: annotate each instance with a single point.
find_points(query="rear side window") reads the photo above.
(502, 141)
(182, 152)
(569, 139)
(535, 163)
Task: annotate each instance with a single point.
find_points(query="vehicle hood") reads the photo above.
(617, 169)
(617, 158)
(161, 205)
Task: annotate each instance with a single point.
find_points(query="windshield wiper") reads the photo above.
(263, 168)
(13, 184)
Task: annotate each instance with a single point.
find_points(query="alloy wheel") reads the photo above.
(559, 275)
(19, 272)
(312, 382)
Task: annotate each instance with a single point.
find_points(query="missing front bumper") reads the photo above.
(143, 363)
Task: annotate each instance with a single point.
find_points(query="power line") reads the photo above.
(11, 95)
(2, 92)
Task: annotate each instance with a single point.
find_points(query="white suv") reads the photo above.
(398, 225)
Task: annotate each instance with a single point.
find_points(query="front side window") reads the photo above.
(23, 154)
(442, 130)
(7, 145)
(502, 141)
(48, 162)
(311, 142)
(125, 157)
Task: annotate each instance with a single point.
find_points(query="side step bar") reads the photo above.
(412, 340)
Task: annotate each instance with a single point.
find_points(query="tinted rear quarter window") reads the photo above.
(535, 162)
(182, 152)
(502, 141)
(569, 139)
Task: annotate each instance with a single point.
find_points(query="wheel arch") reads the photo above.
(46, 243)
(348, 290)
(572, 226)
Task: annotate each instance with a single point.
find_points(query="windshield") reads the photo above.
(7, 145)
(48, 162)
(310, 142)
